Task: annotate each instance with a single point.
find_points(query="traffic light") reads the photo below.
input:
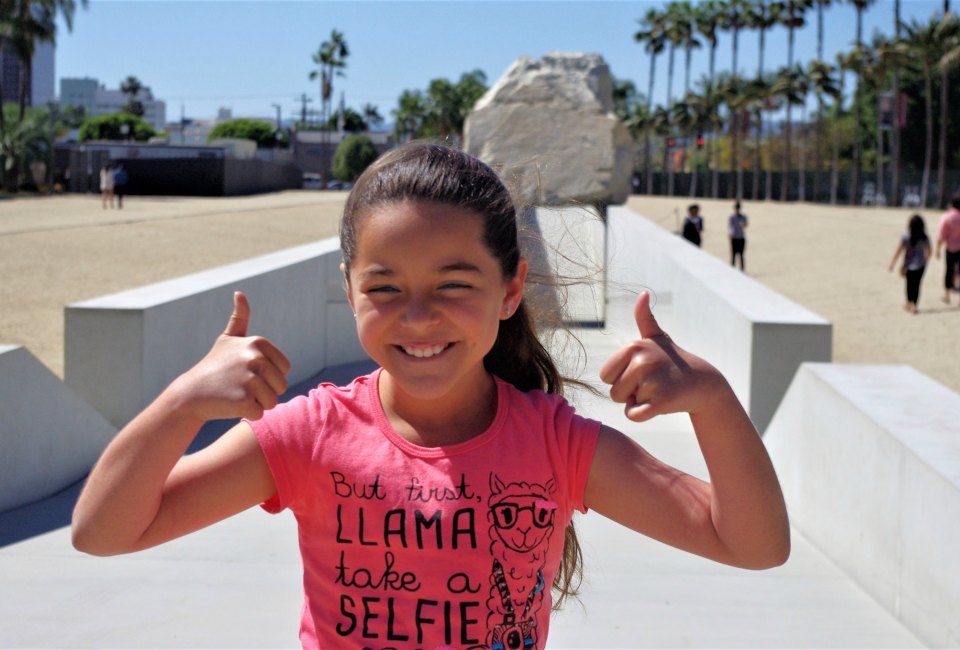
(699, 140)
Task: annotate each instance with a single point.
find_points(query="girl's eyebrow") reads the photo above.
(452, 267)
(460, 266)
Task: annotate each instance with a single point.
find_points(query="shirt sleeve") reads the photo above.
(576, 439)
(285, 434)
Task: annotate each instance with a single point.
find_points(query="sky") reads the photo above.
(250, 55)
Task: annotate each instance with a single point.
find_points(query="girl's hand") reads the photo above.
(652, 376)
(241, 376)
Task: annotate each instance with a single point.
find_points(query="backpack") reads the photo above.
(120, 177)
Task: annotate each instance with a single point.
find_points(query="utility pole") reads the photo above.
(277, 106)
(304, 100)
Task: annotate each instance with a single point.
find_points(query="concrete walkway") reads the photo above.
(237, 584)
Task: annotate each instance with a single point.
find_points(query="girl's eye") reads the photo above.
(385, 289)
(455, 285)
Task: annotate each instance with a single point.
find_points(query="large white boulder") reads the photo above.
(548, 126)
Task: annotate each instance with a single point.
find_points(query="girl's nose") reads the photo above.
(420, 310)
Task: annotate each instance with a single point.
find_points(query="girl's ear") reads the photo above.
(346, 287)
(514, 286)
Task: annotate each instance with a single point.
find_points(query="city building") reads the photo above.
(40, 78)
(97, 99)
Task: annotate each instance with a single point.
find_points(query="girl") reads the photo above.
(915, 247)
(434, 496)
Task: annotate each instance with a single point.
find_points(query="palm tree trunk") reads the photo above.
(858, 96)
(714, 172)
(835, 163)
(928, 149)
(648, 158)
(787, 137)
(894, 199)
(757, 157)
(942, 148)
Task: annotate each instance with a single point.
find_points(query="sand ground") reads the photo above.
(833, 260)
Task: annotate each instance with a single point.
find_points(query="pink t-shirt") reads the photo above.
(949, 230)
(412, 547)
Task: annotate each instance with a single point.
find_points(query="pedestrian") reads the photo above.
(915, 248)
(736, 226)
(106, 186)
(120, 179)
(948, 235)
(434, 496)
(693, 225)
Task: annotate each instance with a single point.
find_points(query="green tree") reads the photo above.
(330, 59)
(653, 36)
(409, 115)
(371, 115)
(861, 6)
(264, 133)
(131, 87)
(353, 155)
(791, 86)
(823, 82)
(23, 141)
(353, 121)
(111, 127)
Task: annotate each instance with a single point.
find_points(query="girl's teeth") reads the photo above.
(424, 353)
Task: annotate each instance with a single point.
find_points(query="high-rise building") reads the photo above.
(39, 79)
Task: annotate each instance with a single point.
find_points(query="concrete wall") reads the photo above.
(869, 460)
(755, 336)
(49, 437)
(121, 350)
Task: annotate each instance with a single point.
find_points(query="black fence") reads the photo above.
(79, 171)
(764, 186)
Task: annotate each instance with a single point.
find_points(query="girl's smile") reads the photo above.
(429, 297)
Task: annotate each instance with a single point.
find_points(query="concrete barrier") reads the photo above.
(755, 336)
(49, 437)
(121, 350)
(869, 459)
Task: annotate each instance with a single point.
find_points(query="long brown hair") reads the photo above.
(439, 174)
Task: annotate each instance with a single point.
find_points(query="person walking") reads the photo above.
(106, 185)
(948, 235)
(915, 247)
(736, 226)
(120, 179)
(693, 225)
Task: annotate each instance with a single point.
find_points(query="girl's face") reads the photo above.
(429, 297)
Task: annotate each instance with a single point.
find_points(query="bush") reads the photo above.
(260, 131)
(110, 127)
(353, 155)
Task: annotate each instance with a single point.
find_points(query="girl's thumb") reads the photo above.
(240, 318)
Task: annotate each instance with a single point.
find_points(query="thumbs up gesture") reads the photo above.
(652, 376)
(241, 376)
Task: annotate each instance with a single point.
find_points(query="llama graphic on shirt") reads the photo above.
(521, 521)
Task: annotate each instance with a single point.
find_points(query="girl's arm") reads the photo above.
(739, 517)
(144, 491)
(896, 255)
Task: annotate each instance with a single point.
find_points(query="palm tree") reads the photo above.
(861, 6)
(654, 39)
(409, 115)
(925, 48)
(662, 126)
(371, 114)
(761, 17)
(791, 86)
(675, 29)
(846, 61)
(732, 90)
(883, 57)
(823, 81)
(330, 60)
(948, 35)
(707, 19)
(895, 139)
(23, 23)
(733, 17)
(131, 87)
(760, 99)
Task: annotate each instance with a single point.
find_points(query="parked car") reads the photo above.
(312, 181)
(339, 185)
